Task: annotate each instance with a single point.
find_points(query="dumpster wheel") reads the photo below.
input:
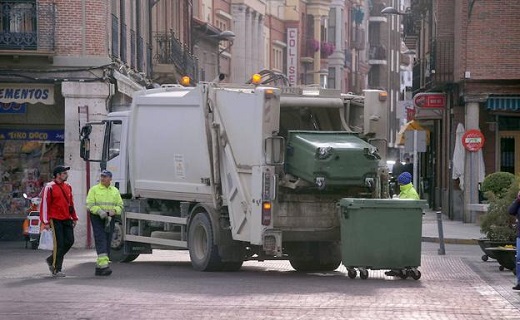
(485, 257)
(403, 274)
(415, 274)
(363, 274)
(352, 273)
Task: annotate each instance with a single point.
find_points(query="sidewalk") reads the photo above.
(455, 232)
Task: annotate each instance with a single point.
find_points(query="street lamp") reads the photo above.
(394, 11)
(225, 35)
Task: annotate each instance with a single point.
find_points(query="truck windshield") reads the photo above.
(307, 118)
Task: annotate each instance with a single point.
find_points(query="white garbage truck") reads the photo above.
(235, 172)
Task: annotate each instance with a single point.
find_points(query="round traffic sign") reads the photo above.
(473, 140)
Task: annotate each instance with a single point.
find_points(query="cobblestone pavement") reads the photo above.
(457, 285)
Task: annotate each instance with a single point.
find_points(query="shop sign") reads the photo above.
(473, 140)
(430, 100)
(32, 135)
(292, 55)
(26, 93)
(12, 107)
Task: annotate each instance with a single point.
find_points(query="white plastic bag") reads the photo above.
(46, 241)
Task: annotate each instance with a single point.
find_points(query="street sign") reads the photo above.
(430, 100)
(473, 140)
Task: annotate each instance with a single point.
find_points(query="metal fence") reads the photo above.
(171, 51)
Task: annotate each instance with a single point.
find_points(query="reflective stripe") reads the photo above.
(102, 261)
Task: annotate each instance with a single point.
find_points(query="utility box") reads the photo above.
(340, 158)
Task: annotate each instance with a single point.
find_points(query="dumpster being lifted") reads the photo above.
(381, 234)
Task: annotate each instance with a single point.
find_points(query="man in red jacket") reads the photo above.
(57, 213)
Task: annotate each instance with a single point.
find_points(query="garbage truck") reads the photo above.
(235, 172)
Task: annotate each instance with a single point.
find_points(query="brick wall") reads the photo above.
(72, 26)
(488, 37)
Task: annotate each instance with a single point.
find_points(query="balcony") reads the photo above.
(442, 62)
(375, 13)
(27, 28)
(171, 51)
(435, 70)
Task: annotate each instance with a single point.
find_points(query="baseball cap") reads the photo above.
(59, 169)
(106, 173)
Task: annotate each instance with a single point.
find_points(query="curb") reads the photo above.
(450, 240)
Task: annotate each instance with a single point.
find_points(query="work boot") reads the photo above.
(517, 287)
(103, 271)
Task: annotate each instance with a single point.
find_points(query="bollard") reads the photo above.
(442, 250)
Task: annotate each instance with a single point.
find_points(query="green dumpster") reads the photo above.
(381, 234)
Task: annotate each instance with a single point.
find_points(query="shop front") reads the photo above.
(31, 144)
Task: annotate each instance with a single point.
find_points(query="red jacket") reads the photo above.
(57, 197)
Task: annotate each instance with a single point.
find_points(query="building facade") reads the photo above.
(468, 51)
(63, 63)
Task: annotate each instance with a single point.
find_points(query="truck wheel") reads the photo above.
(318, 257)
(117, 248)
(203, 252)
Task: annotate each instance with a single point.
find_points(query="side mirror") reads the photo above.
(84, 151)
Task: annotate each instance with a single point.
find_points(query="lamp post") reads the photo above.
(228, 36)
(393, 11)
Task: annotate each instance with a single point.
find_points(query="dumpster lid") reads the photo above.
(356, 203)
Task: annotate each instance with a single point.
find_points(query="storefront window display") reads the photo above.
(25, 166)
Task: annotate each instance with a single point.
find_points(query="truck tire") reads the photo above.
(204, 254)
(117, 248)
(316, 257)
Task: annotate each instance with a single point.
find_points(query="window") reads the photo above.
(18, 25)
(114, 146)
(331, 78)
(332, 25)
(277, 59)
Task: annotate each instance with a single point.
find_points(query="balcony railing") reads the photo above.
(27, 25)
(436, 68)
(442, 62)
(171, 51)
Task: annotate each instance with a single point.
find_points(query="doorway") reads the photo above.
(509, 155)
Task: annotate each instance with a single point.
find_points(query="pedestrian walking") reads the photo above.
(103, 202)
(514, 210)
(57, 213)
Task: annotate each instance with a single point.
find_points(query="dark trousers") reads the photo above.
(63, 233)
(101, 236)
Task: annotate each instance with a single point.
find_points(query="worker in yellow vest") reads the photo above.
(103, 202)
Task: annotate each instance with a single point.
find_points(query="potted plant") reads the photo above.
(327, 48)
(500, 189)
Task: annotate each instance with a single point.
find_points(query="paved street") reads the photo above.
(164, 286)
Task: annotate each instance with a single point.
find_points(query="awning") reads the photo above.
(503, 103)
(409, 126)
